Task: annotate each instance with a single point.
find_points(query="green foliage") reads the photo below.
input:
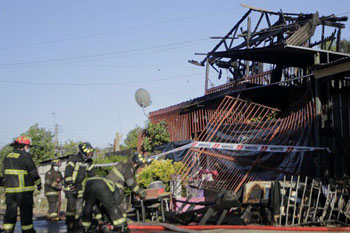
(158, 170)
(103, 171)
(123, 147)
(155, 135)
(42, 139)
(345, 46)
(132, 138)
(70, 147)
(330, 47)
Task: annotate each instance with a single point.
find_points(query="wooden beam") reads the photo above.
(332, 70)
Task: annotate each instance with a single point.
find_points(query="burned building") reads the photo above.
(287, 84)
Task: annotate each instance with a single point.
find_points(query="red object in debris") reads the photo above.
(154, 192)
(105, 227)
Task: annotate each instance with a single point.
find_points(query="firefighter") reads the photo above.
(21, 179)
(53, 185)
(107, 194)
(79, 167)
(123, 175)
(103, 194)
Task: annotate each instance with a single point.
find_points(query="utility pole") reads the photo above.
(56, 134)
(117, 139)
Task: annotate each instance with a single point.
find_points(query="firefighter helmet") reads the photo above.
(86, 149)
(22, 140)
(138, 159)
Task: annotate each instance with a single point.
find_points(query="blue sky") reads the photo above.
(84, 59)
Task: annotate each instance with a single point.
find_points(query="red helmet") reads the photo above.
(23, 140)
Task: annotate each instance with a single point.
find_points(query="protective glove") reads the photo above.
(79, 187)
(59, 186)
(38, 187)
(73, 189)
(89, 161)
(142, 194)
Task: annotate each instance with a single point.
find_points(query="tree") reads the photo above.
(345, 46)
(43, 146)
(155, 135)
(70, 147)
(132, 138)
(42, 141)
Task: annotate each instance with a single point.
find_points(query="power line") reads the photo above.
(98, 84)
(217, 11)
(101, 54)
(93, 58)
(92, 34)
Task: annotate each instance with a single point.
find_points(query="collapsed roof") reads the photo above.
(282, 42)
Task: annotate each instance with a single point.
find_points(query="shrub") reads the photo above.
(155, 135)
(158, 170)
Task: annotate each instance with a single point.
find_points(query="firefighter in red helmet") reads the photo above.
(21, 179)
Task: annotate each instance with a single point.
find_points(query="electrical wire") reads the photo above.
(217, 11)
(90, 34)
(98, 84)
(94, 59)
(102, 54)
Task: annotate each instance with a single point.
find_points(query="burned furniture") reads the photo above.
(306, 201)
(222, 211)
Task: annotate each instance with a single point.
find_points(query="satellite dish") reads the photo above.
(143, 98)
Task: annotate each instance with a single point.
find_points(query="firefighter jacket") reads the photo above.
(76, 173)
(123, 174)
(20, 172)
(53, 182)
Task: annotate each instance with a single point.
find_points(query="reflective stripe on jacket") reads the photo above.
(20, 172)
(123, 175)
(77, 170)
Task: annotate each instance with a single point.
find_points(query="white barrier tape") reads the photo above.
(105, 164)
(151, 157)
(171, 151)
(234, 147)
(256, 148)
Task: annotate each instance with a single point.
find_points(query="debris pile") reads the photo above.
(295, 201)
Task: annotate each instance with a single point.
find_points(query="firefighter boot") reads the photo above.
(70, 223)
(124, 229)
(87, 230)
(77, 225)
(29, 231)
(9, 231)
